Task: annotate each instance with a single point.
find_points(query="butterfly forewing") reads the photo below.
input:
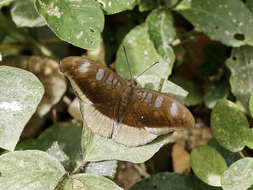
(95, 82)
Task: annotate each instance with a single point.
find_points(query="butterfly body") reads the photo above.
(116, 109)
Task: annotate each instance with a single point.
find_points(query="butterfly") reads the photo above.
(114, 108)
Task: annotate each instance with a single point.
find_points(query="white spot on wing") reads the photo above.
(158, 101)
(84, 67)
(100, 74)
(109, 79)
(174, 109)
(148, 98)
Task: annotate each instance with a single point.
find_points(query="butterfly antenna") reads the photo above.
(129, 69)
(147, 69)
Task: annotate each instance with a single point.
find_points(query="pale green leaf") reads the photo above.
(208, 164)
(97, 148)
(24, 14)
(29, 170)
(141, 54)
(5, 2)
(77, 22)
(228, 21)
(104, 168)
(241, 66)
(90, 182)
(161, 32)
(239, 175)
(20, 94)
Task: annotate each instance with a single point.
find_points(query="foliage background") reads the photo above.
(205, 55)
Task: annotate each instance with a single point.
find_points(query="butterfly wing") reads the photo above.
(157, 113)
(94, 83)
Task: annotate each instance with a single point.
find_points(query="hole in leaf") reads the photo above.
(239, 36)
(92, 30)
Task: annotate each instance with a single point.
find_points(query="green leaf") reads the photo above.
(230, 157)
(161, 32)
(249, 139)
(5, 2)
(20, 94)
(141, 54)
(146, 5)
(249, 4)
(77, 22)
(228, 21)
(62, 142)
(208, 164)
(24, 14)
(215, 92)
(239, 175)
(229, 125)
(116, 6)
(241, 66)
(29, 170)
(97, 148)
(251, 105)
(172, 181)
(90, 182)
(104, 168)
(165, 86)
(194, 96)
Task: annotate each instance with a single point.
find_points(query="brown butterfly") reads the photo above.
(114, 108)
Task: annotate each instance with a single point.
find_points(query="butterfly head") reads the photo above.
(132, 83)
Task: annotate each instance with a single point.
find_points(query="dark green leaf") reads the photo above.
(172, 181)
(64, 143)
(229, 125)
(249, 4)
(230, 157)
(115, 6)
(145, 5)
(195, 95)
(228, 21)
(216, 92)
